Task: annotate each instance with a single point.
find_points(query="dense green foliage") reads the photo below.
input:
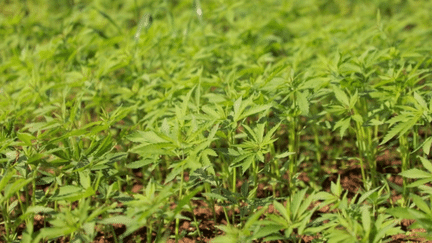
(225, 102)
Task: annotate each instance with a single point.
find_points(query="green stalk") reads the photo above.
(195, 220)
(404, 153)
(255, 175)
(226, 216)
(292, 147)
(6, 222)
(234, 190)
(149, 233)
(234, 175)
(212, 202)
(317, 143)
(360, 144)
(274, 167)
(34, 185)
(180, 197)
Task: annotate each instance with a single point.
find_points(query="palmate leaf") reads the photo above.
(268, 137)
(215, 113)
(251, 133)
(140, 163)
(405, 213)
(26, 138)
(415, 174)
(154, 149)
(104, 146)
(247, 163)
(422, 205)
(72, 193)
(243, 160)
(424, 176)
(6, 178)
(12, 188)
(400, 129)
(145, 137)
(254, 110)
(296, 202)
(118, 219)
(341, 96)
(240, 111)
(186, 199)
(269, 230)
(422, 103)
(253, 219)
(426, 163)
(343, 124)
(54, 232)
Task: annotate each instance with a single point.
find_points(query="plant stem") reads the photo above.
(317, 143)
(404, 153)
(180, 197)
(292, 147)
(361, 148)
(195, 220)
(212, 202)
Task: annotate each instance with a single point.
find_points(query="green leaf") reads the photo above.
(415, 174)
(84, 178)
(72, 193)
(343, 125)
(341, 96)
(215, 196)
(284, 155)
(419, 183)
(427, 145)
(247, 163)
(296, 202)
(174, 173)
(119, 219)
(13, 188)
(212, 113)
(399, 129)
(302, 102)
(237, 108)
(186, 199)
(6, 179)
(254, 218)
(253, 110)
(357, 118)
(146, 137)
(105, 146)
(421, 204)
(51, 233)
(323, 196)
(140, 163)
(366, 195)
(267, 230)
(39, 209)
(404, 213)
(282, 210)
(366, 219)
(420, 100)
(26, 138)
(426, 164)
(353, 100)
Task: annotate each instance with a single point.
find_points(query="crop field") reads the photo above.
(215, 121)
